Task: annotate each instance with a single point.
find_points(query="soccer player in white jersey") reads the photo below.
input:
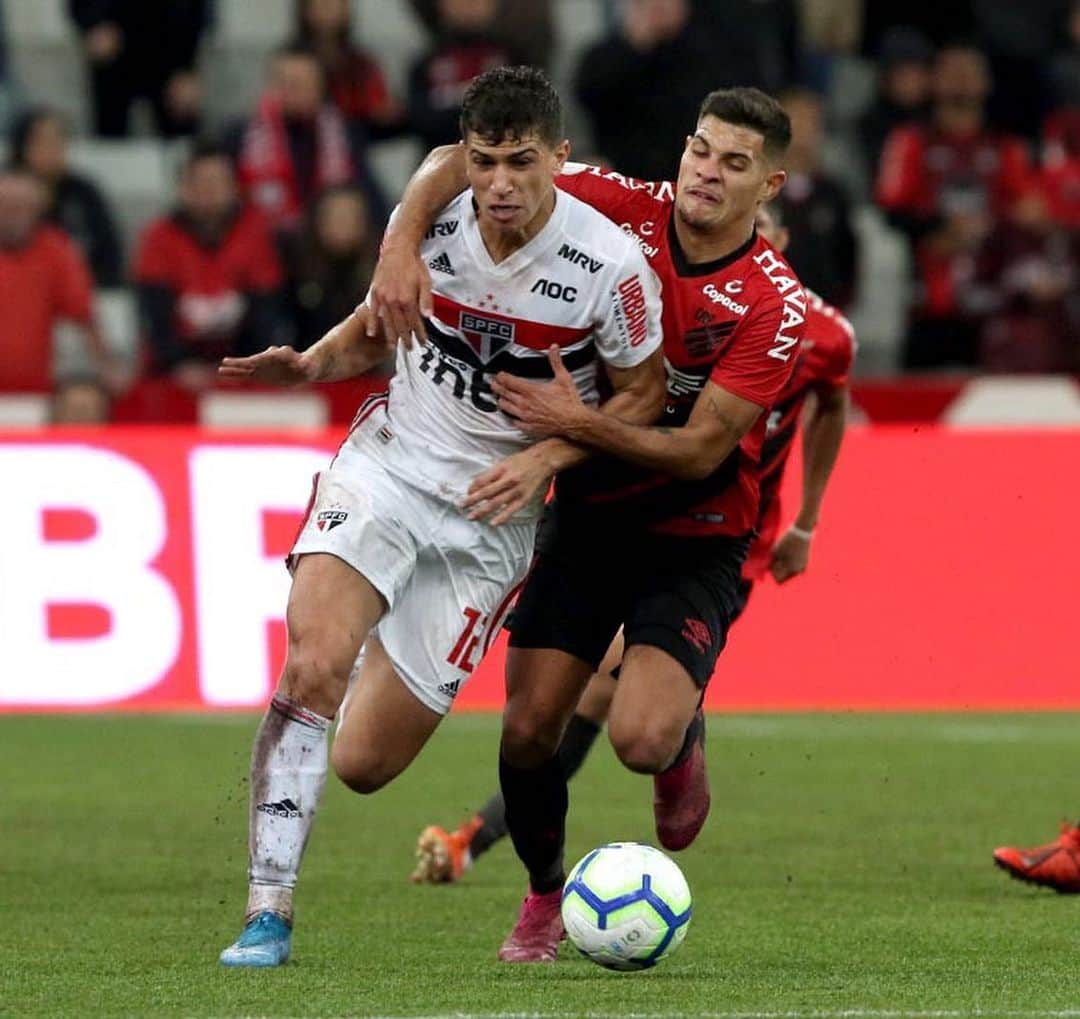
(387, 559)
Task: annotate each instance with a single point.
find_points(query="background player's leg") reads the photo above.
(384, 727)
(331, 608)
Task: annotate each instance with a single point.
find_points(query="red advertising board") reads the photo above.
(142, 569)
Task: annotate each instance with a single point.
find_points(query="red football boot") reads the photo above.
(1055, 865)
(681, 796)
(538, 931)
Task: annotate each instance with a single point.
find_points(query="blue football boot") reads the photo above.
(264, 941)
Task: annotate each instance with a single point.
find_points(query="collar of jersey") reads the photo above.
(527, 252)
(687, 268)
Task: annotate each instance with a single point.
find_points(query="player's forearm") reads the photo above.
(437, 181)
(343, 353)
(822, 437)
(635, 405)
(685, 453)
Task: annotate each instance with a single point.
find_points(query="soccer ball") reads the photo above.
(626, 906)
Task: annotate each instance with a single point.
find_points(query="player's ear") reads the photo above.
(772, 185)
(562, 154)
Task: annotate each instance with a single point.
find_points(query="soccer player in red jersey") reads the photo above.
(819, 385)
(1055, 865)
(681, 496)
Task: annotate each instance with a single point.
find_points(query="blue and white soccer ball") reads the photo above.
(626, 906)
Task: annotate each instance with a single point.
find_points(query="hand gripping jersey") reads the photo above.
(824, 363)
(580, 283)
(736, 321)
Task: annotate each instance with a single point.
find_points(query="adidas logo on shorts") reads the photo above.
(450, 689)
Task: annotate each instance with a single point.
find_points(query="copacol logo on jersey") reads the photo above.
(327, 520)
(487, 336)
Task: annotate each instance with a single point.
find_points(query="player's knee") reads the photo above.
(528, 739)
(643, 746)
(314, 679)
(362, 771)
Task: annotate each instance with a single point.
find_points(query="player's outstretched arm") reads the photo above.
(400, 293)
(345, 352)
(718, 421)
(823, 433)
(512, 483)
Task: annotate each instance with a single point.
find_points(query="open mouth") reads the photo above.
(502, 213)
(704, 196)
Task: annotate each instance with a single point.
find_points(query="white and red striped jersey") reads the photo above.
(581, 283)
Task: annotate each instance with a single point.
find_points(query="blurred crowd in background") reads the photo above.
(186, 179)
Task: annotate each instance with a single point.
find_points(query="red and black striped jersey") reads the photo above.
(823, 366)
(735, 321)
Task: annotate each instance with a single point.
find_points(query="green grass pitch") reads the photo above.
(845, 872)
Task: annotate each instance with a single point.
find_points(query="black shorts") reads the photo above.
(677, 594)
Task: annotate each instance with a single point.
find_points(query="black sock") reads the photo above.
(536, 803)
(577, 741)
(493, 814)
(694, 731)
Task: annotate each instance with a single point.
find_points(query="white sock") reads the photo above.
(288, 772)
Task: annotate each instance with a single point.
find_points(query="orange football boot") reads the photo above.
(1055, 865)
(443, 856)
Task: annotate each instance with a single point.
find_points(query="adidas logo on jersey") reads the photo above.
(441, 263)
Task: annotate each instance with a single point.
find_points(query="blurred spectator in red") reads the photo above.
(297, 143)
(207, 276)
(1060, 173)
(642, 85)
(945, 184)
(43, 281)
(355, 82)
(143, 49)
(329, 263)
(903, 91)
(527, 27)
(467, 45)
(39, 144)
(80, 400)
(1027, 284)
(815, 206)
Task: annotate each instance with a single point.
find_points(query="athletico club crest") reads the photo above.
(327, 520)
(486, 336)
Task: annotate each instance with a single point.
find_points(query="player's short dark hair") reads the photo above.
(752, 108)
(510, 103)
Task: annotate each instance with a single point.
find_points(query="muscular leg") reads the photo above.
(331, 609)
(542, 687)
(581, 732)
(653, 707)
(384, 726)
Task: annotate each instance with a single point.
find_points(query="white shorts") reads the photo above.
(448, 581)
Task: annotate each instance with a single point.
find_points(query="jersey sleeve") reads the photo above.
(759, 361)
(898, 185)
(154, 259)
(629, 329)
(836, 347)
(74, 285)
(613, 194)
